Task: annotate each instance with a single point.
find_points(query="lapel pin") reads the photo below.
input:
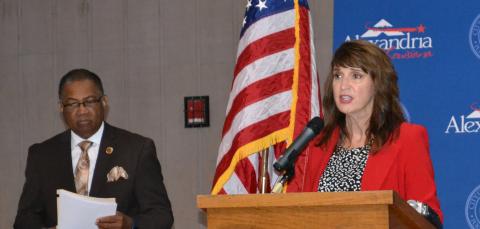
(109, 150)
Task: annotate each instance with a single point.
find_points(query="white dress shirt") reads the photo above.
(92, 151)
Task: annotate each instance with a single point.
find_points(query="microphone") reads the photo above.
(291, 153)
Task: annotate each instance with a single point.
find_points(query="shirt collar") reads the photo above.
(95, 138)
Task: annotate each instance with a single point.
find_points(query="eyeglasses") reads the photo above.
(88, 103)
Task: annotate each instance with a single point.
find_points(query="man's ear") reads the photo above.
(105, 101)
(105, 106)
(60, 107)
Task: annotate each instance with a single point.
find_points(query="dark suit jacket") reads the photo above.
(49, 167)
(403, 165)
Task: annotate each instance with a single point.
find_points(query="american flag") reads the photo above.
(274, 93)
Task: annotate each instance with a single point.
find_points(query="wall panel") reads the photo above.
(150, 54)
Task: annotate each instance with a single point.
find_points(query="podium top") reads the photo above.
(299, 199)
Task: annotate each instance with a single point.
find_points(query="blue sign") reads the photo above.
(435, 47)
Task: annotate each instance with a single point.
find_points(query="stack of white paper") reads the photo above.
(76, 211)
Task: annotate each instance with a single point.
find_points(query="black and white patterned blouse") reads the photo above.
(344, 170)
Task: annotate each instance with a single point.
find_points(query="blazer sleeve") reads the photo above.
(419, 175)
(30, 208)
(154, 205)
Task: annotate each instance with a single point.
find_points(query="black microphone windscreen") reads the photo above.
(316, 124)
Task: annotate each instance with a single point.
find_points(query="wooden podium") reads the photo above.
(369, 210)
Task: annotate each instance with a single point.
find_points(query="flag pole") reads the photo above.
(264, 171)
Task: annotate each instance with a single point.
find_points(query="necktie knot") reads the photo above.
(85, 145)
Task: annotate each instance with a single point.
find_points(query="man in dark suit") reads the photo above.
(114, 163)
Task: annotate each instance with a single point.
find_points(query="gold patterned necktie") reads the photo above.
(81, 171)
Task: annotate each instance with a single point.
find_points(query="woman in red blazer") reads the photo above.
(366, 143)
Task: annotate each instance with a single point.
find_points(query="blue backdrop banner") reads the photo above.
(435, 47)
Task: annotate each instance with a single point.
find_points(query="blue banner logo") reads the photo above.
(472, 209)
(465, 124)
(409, 42)
(474, 36)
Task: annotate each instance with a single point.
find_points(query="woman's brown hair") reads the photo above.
(387, 115)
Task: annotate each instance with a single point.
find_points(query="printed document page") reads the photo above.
(76, 211)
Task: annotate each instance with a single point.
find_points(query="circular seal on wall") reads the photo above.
(472, 209)
(474, 36)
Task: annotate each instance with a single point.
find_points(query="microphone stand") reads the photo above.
(287, 173)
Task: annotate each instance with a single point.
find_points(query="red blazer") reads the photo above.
(403, 165)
